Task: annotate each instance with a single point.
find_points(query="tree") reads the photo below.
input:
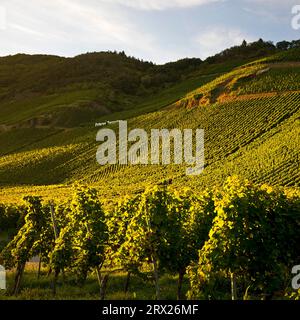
(283, 45)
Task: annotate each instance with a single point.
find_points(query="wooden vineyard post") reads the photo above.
(56, 235)
(233, 286)
(53, 218)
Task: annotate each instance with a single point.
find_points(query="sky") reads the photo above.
(152, 30)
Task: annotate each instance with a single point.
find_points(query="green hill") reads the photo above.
(53, 91)
(248, 105)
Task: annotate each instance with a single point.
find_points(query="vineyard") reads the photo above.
(238, 241)
(279, 79)
(262, 131)
(72, 229)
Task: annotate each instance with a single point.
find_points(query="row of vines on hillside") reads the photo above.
(237, 239)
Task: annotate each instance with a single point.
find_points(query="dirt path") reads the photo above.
(254, 96)
(278, 65)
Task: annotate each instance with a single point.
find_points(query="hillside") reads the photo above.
(249, 108)
(43, 91)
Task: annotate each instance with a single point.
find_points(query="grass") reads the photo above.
(40, 289)
(28, 108)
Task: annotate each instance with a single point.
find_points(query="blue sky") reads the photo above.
(156, 30)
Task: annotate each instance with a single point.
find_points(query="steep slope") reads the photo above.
(250, 116)
(43, 91)
(66, 92)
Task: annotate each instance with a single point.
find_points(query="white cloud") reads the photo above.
(276, 11)
(272, 3)
(161, 4)
(33, 26)
(23, 30)
(214, 40)
(2, 18)
(71, 27)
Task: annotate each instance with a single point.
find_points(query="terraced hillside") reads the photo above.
(250, 114)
